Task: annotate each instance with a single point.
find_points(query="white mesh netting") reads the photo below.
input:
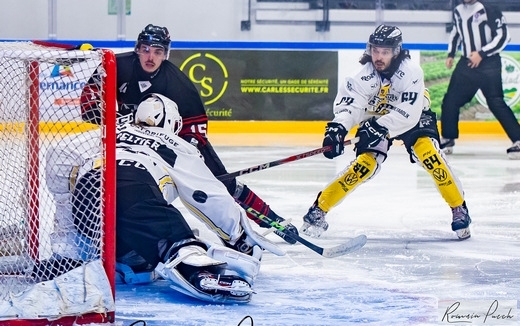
(51, 226)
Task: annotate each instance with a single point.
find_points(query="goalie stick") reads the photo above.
(338, 250)
(274, 163)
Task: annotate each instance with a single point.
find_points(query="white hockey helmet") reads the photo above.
(158, 110)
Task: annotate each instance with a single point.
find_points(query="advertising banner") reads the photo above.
(60, 90)
(277, 85)
(262, 84)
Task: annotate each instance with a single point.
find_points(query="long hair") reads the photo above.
(396, 62)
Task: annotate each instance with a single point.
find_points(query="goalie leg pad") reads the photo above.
(194, 256)
(180, 284)
(240, 264)
(197, 260)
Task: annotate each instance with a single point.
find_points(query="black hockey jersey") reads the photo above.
(133, 83)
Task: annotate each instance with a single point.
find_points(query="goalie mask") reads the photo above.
(159, 111)
(155, 36)
(386, 36)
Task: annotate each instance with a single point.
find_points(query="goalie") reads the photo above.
(154, 167)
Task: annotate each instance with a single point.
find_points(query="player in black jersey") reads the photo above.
(147, 70)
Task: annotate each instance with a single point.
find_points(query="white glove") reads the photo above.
(250, 238)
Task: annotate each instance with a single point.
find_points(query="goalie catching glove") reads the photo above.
(334, 136)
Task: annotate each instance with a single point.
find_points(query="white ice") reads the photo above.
(411, 261)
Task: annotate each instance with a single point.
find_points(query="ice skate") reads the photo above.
(513, 152)
(219, 274)
(227, 285)
(447, 145)
(314, 223)
(461, 221)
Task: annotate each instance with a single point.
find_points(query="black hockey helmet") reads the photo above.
(153, 35)
(386, 36)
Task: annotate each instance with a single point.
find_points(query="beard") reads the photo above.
(379, 65)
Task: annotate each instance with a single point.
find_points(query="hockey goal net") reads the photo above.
(50, 273)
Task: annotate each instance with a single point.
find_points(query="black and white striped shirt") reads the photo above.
(478, 28)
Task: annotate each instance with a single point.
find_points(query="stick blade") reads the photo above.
(345, 248)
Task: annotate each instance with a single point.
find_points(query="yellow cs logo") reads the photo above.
(209, 72)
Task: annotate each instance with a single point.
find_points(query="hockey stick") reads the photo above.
(339, 250)
(282, 161)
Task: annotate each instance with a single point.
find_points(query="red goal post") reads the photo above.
(55, 269)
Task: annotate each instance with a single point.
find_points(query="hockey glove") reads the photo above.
(370, 133)
(334, 136)
(250, 238)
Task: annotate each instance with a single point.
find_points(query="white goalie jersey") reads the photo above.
(179, 171)
(176, 166)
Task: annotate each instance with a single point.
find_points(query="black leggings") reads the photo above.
(464, 84)
(143, 217)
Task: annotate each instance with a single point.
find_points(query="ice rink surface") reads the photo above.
(411, 262)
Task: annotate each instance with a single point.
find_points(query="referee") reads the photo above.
(482, 33)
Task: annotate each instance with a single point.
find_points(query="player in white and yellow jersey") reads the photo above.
(387, 100)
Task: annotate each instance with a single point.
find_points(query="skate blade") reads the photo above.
(237, 288)
(463, 234)
(312, 230)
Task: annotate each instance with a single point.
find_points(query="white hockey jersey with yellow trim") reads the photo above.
(398, 101)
